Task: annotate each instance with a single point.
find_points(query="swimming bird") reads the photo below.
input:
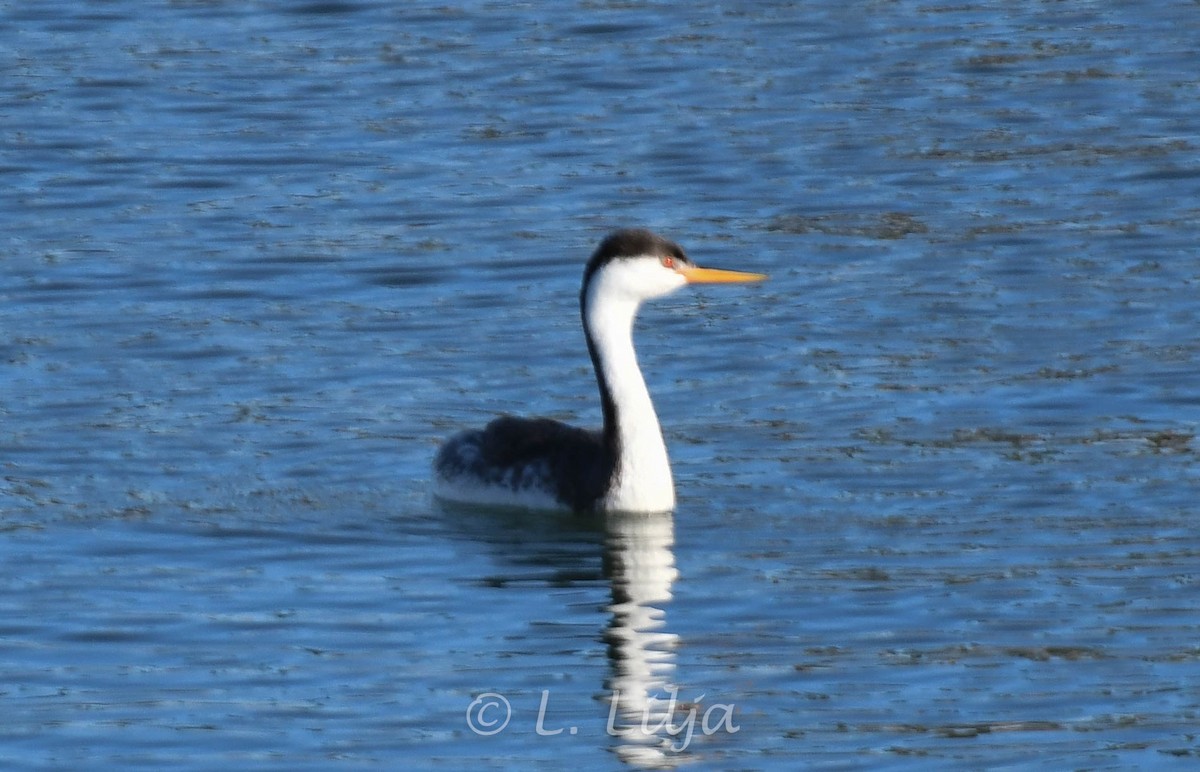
(544, 464)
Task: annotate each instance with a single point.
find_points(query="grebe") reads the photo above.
(541, 463)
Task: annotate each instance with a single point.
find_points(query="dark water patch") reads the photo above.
(889, 225)
(602, 29)
(328, 8)
(400, 278)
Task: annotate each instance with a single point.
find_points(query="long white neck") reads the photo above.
(642, 481)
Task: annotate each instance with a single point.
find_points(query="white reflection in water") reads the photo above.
(644, 718)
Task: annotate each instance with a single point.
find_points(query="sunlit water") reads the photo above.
(937, 478)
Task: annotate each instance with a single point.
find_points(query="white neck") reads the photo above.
(642, 482)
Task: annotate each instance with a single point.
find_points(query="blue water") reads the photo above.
(937, 478)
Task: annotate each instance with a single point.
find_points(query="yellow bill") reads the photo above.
(696, 275)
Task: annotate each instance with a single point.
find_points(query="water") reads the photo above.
(937, 478)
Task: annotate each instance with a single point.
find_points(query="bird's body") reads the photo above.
(525, 462)
(541, 463)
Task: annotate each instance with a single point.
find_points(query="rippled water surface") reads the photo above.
(937, 478)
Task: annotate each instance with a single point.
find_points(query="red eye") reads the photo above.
(668, 262)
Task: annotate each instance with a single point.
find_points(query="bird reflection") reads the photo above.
(643, 717)
(649, 728)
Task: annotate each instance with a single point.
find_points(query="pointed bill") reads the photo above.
(696, 275)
